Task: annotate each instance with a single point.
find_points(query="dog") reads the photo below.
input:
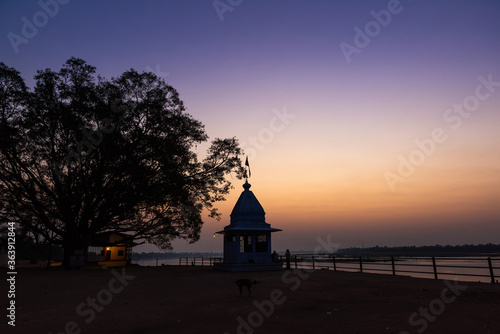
(245, 282)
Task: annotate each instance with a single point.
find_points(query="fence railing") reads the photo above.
(199, 261)
(479, 267)
(432, 266)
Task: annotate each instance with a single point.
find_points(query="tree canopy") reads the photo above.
(81, 155)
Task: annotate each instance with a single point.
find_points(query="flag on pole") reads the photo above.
(248, 165)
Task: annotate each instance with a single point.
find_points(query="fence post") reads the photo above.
(393, 266)
(157, 262)
(202, 260)
(180, 259)
(435, 268)
(313, 263)
(334, 264)
(295, 261)
(360, 265)
(491, 270)
(211, 263)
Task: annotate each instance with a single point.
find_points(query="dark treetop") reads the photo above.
(80, 155)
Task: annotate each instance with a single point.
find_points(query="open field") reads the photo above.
(174, 299)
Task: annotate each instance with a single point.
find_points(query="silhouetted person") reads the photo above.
(275, 256)
(245, 282)
(287, 256)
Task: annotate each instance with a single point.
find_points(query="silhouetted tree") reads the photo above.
(28, 246)
(80, 155)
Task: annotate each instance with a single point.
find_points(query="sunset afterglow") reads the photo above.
(396, 144)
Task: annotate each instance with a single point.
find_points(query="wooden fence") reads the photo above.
(484, 267)
(199, 261)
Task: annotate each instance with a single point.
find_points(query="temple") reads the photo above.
(247, 239)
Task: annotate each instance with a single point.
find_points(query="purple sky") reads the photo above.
(325, 131)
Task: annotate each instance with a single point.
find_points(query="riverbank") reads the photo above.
(173, 299)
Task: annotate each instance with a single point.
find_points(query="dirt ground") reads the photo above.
(175, 299)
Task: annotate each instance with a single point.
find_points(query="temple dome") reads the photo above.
(248, 214)
(247, 209)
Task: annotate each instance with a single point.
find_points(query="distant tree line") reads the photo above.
(27, 249)
(448, 250)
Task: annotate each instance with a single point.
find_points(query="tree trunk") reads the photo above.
(69, 250)
(35, 256)
(71, 246)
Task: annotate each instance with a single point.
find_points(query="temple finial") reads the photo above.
(247, 174)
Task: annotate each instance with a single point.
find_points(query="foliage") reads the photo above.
(80, 155)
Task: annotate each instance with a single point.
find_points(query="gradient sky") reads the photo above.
(321, 170)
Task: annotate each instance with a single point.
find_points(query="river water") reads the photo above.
(477, 268)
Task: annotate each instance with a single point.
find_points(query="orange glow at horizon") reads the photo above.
(329, 195)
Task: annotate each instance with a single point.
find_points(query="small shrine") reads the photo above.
(247, 239)
(111, 249)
